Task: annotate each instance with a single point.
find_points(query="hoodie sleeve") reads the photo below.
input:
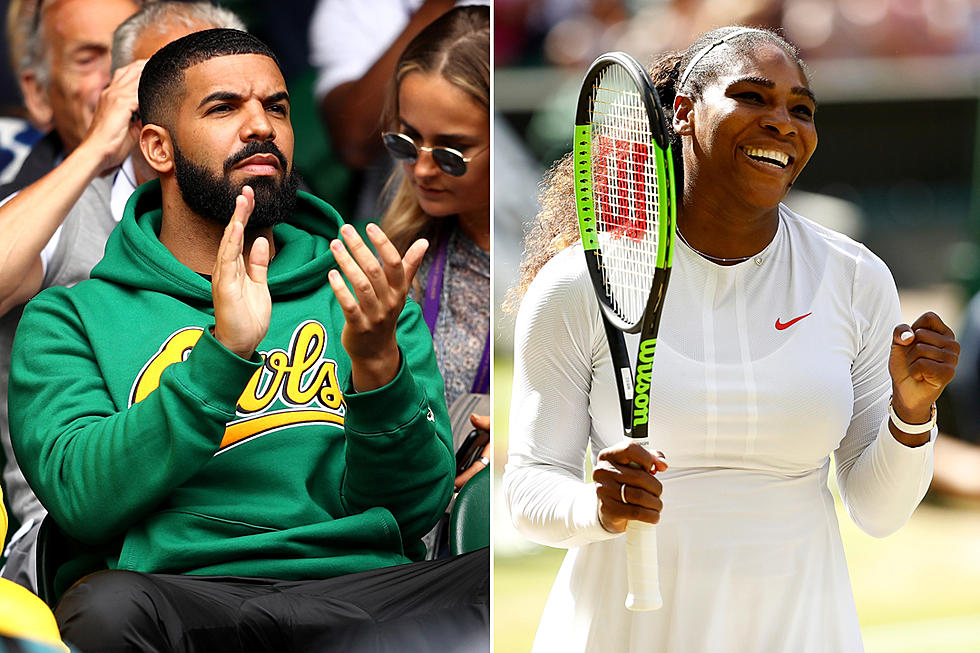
(399, 445)
(80, 452)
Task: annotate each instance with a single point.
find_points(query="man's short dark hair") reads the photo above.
(162, 81)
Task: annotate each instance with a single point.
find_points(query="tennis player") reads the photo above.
(780, 345)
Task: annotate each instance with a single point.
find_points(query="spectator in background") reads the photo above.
(64, 69)
(17, 134)
(54, 231)
(62, 49)
(438, 119)
(355, 45)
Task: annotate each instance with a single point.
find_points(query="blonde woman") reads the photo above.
(438, 129)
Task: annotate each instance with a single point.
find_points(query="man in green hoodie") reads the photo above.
(249, 399)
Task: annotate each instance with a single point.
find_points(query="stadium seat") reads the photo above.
(62, 560)
(469, 523)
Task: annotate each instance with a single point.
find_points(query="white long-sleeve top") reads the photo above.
(747, 414)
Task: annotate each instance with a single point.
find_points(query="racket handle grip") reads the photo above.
(642, 568)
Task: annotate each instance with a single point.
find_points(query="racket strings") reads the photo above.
(626, 192)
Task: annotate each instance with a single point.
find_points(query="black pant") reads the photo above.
(437, 605)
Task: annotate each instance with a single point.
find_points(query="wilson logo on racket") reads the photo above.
(644, 373)
(622, 184)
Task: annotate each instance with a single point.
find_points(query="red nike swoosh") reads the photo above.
(785, 325)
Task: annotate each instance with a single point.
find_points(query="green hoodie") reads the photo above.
(143, 435)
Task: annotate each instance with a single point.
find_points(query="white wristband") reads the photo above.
(912, 429)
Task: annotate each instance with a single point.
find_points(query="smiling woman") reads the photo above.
(754, 130)
(779, 346)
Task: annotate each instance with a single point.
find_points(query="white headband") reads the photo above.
(708, 48)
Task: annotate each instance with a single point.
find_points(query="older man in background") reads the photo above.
(63, 70)
(54, 231)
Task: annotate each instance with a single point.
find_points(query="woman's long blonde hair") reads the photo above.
(456, 46)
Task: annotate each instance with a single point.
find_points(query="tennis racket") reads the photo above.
(624, 187)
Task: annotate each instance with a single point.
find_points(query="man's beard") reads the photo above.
(213, 197)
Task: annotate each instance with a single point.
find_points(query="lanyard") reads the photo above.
(481, 383)
(430, 309)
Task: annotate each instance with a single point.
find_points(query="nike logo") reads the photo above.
(785, 325)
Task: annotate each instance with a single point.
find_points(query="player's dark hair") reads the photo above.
(162, 81)
(710, 56)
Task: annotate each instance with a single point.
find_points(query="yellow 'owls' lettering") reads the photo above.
(300, 378)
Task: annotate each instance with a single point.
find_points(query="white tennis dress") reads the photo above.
(762, 370)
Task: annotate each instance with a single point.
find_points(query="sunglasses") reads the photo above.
(403, 148)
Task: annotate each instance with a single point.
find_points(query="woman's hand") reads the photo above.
(481, 422)
(922, 361)
(626, 470)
